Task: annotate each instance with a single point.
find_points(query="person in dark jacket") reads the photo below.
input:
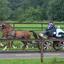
(50, 27)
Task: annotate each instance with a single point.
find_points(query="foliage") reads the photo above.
(4, 10)
(32, 14)
(56, 10)
(24, 10)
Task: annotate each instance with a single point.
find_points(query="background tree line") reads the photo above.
(30, 10)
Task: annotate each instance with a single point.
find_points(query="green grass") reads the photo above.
(19, 49)
(32, 61)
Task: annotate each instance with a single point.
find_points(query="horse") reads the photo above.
(6, 45)
(10, 33)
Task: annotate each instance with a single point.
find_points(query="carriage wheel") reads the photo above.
(56, 45)
(47, 45)
(61, 45)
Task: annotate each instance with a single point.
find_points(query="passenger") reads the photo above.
(50, 27)
(58, 30)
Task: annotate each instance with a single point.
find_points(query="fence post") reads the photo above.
(42, 26)
(41, 51)
(13, 25)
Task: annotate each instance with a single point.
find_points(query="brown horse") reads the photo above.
(6, 44)
(10, 33)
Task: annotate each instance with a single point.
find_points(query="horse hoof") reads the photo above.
(8, 49)
(15, 47)
(21, 50)
(26, 50)
(3, 50)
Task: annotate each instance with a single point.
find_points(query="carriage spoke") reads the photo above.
(44, 44)
(45, 47)
(49, 44)
(61, 46)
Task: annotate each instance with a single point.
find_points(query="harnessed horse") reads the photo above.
(10, 33)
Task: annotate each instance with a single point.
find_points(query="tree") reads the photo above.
(4, 10)
(56, 10)
(16, 7)
(32, 14)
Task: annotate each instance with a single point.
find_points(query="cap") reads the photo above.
(50, 22)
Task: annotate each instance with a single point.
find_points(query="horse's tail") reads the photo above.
(34, 34)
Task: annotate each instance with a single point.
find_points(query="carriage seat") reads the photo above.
(51, 33)
(53, 36)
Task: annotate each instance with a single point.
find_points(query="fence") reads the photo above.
(42, 41)
(39, 27)
(26, 40)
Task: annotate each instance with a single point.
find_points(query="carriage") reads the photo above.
(49, 45)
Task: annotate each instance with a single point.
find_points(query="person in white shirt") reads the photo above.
(58, 30)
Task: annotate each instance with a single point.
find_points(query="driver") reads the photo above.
(50, 27)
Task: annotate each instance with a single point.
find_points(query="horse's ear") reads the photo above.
(3, 23)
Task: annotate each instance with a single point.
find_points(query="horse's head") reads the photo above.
(5, 26)
(2, 26)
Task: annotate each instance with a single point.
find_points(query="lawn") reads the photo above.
(33, 61)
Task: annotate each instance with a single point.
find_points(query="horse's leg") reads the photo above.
(1, 43)
(31, 44)
(12, 45)
(22, 46)
(8, 43)
(5, 47)
(27, 47)
(25, 43)
(38, 44)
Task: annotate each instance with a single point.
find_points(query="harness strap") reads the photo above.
(10, 34)
(15, 33)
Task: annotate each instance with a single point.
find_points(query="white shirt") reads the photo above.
(57, 32)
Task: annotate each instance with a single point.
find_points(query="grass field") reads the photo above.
(32, 61)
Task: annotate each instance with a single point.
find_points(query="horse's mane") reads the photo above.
(8, 25)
